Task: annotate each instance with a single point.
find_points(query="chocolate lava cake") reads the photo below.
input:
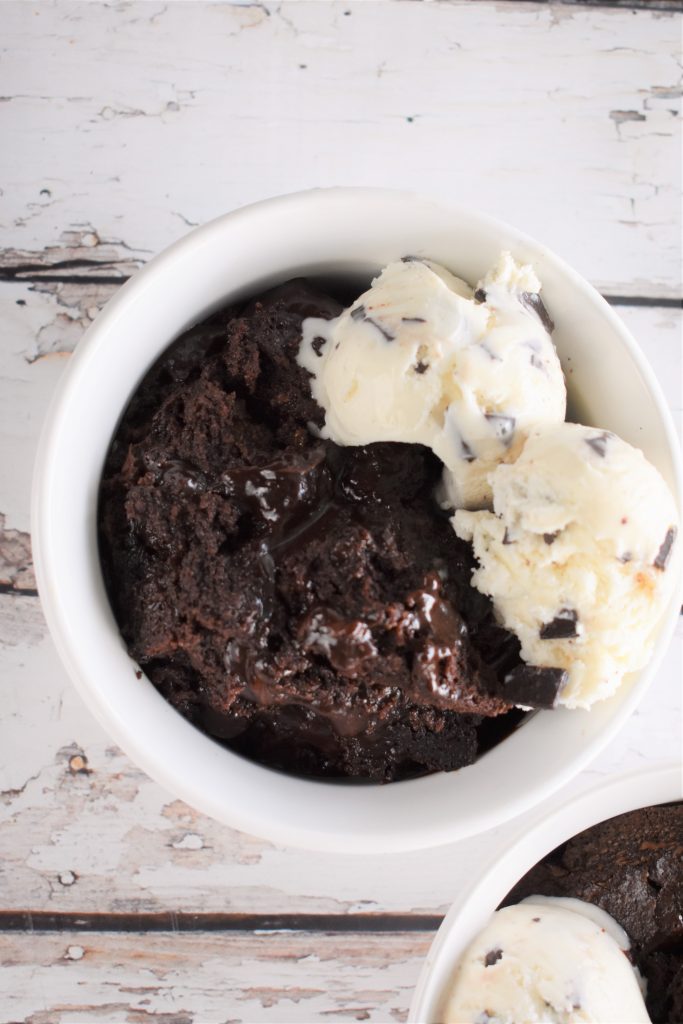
(307, 605)
(632, 867)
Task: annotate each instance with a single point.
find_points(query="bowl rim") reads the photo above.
(613, 796)
(248, 818)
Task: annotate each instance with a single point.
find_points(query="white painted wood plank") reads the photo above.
(107, 839)
(116, 131)
(208, 979)
(135, 120)
(41, 325)
(659, 332)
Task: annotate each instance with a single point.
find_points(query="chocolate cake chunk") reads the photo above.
(308, 605)
(632, 867)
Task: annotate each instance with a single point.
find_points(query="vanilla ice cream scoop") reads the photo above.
(421, 358)
(577, 558)
(559, 961)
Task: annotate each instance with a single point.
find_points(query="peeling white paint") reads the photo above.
(142, 137)
(211, 979)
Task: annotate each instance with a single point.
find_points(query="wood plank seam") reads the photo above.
(7, 588)
(36, 275)
(666, 6)
(644, 300)
(172, 921)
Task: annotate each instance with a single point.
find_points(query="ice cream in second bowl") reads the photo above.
(560, 961)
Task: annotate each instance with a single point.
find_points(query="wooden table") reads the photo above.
(123, 125)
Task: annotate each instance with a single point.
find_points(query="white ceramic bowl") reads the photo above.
(344, 232)
(472, 910)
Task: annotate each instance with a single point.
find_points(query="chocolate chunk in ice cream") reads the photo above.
(533, 686)
(563, 626)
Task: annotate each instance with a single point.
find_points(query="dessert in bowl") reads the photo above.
(588, 926)
(237, 258)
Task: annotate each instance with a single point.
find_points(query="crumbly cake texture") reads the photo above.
(632, 867)
(305, 604)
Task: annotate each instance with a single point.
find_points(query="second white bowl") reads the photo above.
(475, 905)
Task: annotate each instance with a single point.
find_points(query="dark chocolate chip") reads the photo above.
(626, 557)
(489, 353)
(599, 443)
(563, 626)
(466, 452)
(538, 363)
(550, 538)
(317, 344)
(534, 302)
(506, 537)
(421, 367)
(360, 313)
(387, 335)
(412, 259)
(413, 320)
(665, 551)
(504, 427)
(536, 920)
(480, 295)
(534, 686)
(492, 957)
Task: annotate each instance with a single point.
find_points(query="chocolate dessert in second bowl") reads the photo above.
(592, 933)
(630, 866)
(306, 604)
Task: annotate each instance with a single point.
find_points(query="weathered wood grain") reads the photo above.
(646, 5)
(560, 118)
(208, 979)
(79, 256)
(16, 562)
(122, 125)
(82, 830)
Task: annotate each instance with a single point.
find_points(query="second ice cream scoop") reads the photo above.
(578, 556)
